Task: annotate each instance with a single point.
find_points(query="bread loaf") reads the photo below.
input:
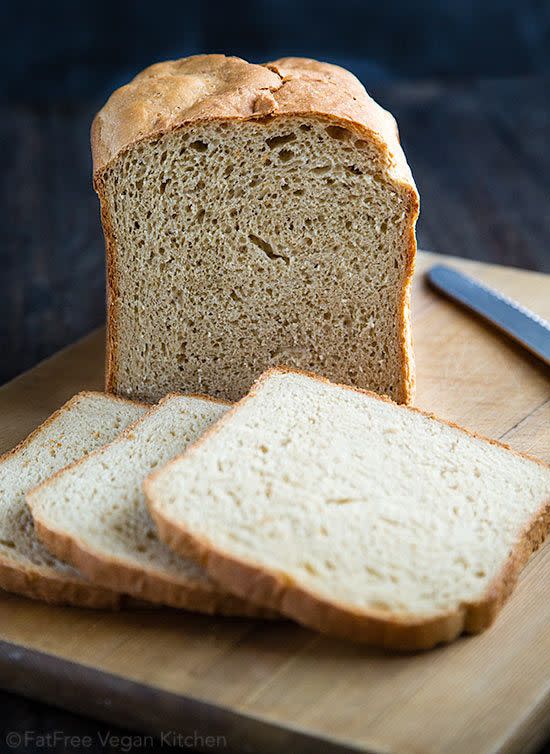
(352, 515)
(85, 422)
(254, 215)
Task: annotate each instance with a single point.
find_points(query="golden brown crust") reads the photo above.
(41, 582)
(119, 576)
(203, 88)
(145, 585)
(277, 591)
(407, 355)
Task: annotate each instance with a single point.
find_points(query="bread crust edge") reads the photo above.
(143, 584)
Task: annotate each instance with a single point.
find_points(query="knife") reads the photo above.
(525, 327)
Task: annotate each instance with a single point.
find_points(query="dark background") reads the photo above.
(468, 80)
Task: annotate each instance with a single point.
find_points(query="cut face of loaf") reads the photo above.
(94, 516)
(352, 515)
(235, 244)
(26, 567)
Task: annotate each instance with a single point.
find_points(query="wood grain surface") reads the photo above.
(278, 687)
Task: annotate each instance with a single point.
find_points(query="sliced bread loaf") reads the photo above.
(93, 513)
(353, 515)
(85, 422)
(254, 215)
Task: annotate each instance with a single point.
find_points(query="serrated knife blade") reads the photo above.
(521, 324)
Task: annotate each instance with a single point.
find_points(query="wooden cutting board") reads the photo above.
(269, 687)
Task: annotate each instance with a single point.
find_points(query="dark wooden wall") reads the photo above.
(74, 48)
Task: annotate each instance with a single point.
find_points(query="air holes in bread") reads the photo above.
(337, 132)
(267, 248)
(278, 141)
(285, 155)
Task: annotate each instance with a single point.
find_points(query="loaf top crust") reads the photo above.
(174, 93)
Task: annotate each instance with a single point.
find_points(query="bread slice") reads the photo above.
(93, 514)
(85, 422)
(353, 515)
(254, 215)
